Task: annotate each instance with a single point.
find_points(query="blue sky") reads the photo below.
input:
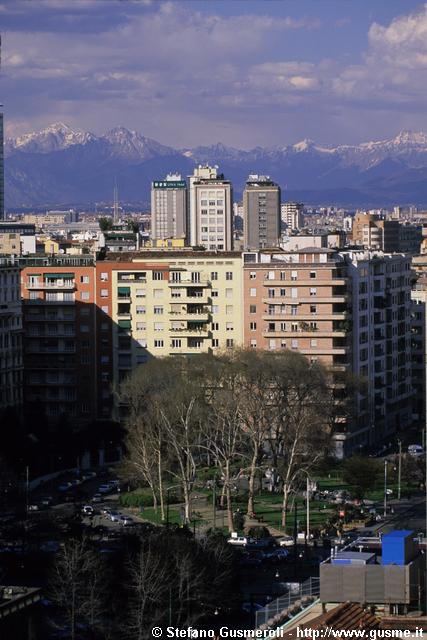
(242, 72)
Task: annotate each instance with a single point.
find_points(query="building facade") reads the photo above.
(374, 232)
(60, 346)
(11, 362)
(292, 215)
(169, 208)
(211, 211)
(349, 310)
(2, 211)
(261, 213)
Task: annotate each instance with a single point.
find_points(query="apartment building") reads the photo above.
(372, 231)
(211, 211)
(169, 208)
(167, 303)
(261, 206)
(11, 364)
(60, 346)
(349, 310)
(17, 238)
(292, 214)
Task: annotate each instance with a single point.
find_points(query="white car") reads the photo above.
(238, 541)
(88, 510)
(415, 450)
(286, 541)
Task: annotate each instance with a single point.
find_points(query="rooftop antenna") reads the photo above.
(116, 205)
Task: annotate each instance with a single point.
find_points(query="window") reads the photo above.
(228, 275)
(283, 275)
(313, 308)
(141, 326)
(282, 293)
(84, 328)
(157, 275)
(252, 308)
(104, 277)
(294, 293)
(271, 293)
(176, 343)
(283, 344)
(294, 343)
(215, 326)
(105, 376)
(105, 359)
(140, 293)
(313, 291)
(34, 295)
(294, 275)
(104, 309)
(158, 311)
(140, 309)
(229, 309)
(157, 293)
(313, 274)
(253, 344)
(84, 279)
(272, 343)
(313, 326)
(294, 309)
(85, 311)
(294, 326)
(104, 326)
(215, 309)
(214, 275)
(271, 275)
(158, 326)
(215, 342)
(229, 293)
(252, 326)
(214, 293)
(313, 342)
(229, 343)
(229, 326)
(158, 343)
(252, 275)
(84, 295)
(104, 293)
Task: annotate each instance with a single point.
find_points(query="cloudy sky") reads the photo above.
(192, 72)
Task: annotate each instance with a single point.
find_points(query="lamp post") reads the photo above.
(385, 489)
(399, 472)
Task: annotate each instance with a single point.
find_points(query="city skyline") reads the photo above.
(192, 73)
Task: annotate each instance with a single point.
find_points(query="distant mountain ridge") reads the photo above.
(61, 165)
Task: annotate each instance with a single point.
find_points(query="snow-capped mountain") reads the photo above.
(77, 166)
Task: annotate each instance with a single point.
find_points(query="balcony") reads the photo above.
(203, 282)
(45, 349)
(189, 332)
(51, 285)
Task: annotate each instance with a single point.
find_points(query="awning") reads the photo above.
(125, 324)
(59, 275)
(124, 290)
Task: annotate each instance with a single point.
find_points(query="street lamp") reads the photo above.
(385, 488)
(307, 534)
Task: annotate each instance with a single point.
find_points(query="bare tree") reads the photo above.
(78, 585)
(304, 409)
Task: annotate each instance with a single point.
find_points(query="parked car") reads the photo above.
(115, 516)
(97, 498)
(88, 510)
(286, 541)
(415, 450)
(106, 512)
(127, 521)
(105, 488)
(239, 541)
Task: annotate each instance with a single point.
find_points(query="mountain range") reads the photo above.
(59, 166)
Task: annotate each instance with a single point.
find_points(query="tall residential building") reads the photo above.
(169, 208)
(292, 215)
(349, 310)
(167, 303)
(211, 211)
(261, 206)
(372, 231)
(60, 346)
(11, 366)
(2, 211)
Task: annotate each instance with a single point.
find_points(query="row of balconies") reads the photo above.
(59, 285)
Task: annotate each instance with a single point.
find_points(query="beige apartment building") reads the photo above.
(171, 303)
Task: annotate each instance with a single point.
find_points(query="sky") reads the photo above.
(195, 72)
